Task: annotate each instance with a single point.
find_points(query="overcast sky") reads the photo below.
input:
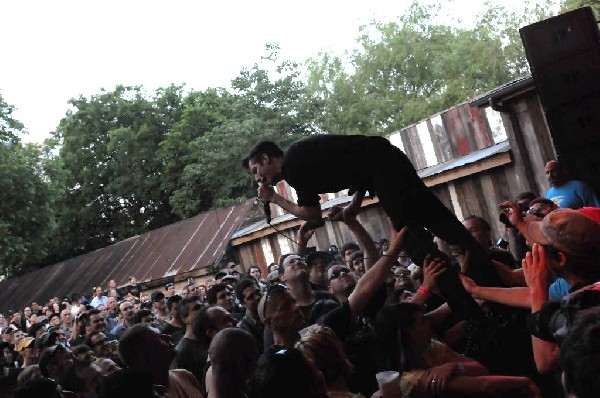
(56, 50)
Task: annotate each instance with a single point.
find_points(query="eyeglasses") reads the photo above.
(338, 272)
(273, 290)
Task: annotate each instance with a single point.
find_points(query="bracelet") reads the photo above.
(460, 368)
(424, 291)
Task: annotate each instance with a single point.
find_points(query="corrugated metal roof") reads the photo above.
(181, 247)
(503, 90)
(424, 173)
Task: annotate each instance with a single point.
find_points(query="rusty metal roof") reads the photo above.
(181, 247)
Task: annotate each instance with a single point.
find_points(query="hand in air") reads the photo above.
(512, 211)
(431, 270)
(345, 214)
(305, 232)
(535, 269)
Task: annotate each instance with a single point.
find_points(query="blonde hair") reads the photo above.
(321, 346)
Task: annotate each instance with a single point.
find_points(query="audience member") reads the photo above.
(565, 192)
(143, 348)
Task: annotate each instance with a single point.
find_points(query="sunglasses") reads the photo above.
(273, 290)
(339, 272)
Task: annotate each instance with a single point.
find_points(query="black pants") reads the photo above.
(408, 202)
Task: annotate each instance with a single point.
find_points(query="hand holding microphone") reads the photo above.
(265, 194)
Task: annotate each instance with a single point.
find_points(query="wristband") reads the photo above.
(424, 291)
(460, 368)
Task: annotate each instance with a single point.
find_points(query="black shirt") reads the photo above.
(191, 355)
(327, 163)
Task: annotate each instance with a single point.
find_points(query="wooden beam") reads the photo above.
(467, 170)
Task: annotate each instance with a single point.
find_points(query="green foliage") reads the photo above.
(407, 70)
(261, 108)
(26, 199)
(570, 5)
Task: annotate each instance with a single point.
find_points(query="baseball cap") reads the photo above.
(318, 254)
(24, 343)
(157, 295)
(573, 232)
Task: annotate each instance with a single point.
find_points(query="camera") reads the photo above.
(553, 321)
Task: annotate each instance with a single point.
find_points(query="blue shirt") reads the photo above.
(574, 195)
(558, 289)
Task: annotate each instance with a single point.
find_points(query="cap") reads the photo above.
(168, 285)
(318, 254)
(54, 315)
(41, 319)
(573, 232)
(24, 343)
(231, 264)
(6, 330)
(157, 295)
(229, 278)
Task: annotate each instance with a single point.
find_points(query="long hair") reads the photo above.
(322, 347)
(393, 325)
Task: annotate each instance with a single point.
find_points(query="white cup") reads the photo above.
(389, 383)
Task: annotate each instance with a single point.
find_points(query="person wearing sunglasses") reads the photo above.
(341, 281)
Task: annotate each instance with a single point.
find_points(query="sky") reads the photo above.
(56, 50)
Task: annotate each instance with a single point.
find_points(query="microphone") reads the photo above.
(267, 209)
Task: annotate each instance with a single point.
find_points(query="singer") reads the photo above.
(331, 163)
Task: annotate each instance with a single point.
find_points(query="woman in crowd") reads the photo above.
(322, 348)
(428, 367)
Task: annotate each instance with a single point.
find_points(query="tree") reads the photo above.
(407, 70)
(109, 146)
(25, 199)
(570, 5)
(260, 108)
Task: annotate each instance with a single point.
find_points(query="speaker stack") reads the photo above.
(564, 57)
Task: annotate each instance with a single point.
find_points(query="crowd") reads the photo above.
(360, 320)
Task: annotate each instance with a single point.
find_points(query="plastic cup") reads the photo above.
(389, 383)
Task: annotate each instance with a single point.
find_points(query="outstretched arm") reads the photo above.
(513, 296)
(365, 240)
(372, 280)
